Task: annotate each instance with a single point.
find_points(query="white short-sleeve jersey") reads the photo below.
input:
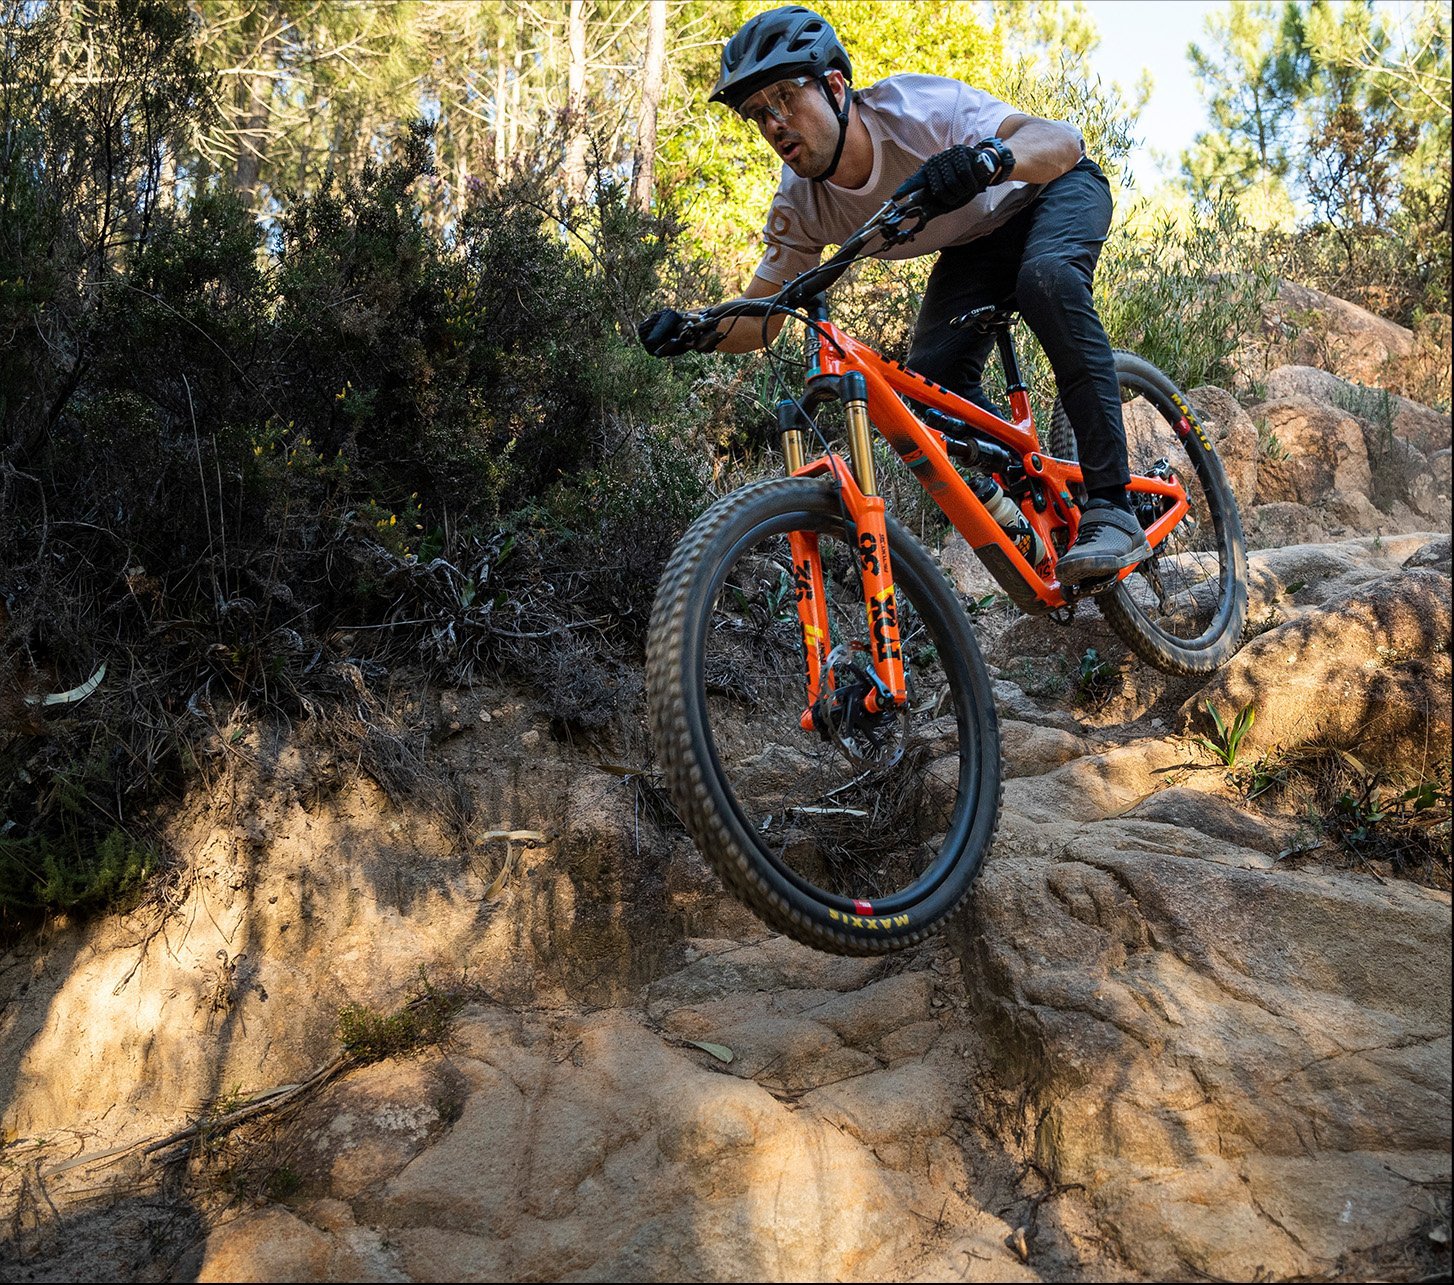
(909, 118)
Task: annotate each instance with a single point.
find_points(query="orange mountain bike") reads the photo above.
(819, 703)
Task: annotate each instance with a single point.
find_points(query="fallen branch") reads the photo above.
(178, 1143)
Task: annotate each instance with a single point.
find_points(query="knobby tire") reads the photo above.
(1184, 609)
(798, 829)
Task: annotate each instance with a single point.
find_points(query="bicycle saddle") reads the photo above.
(985, 320)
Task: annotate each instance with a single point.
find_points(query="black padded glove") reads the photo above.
(955, 176)
(664, 334)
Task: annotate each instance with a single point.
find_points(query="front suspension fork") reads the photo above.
(865, 508)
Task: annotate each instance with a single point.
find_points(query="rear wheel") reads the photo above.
(862, 834)
(1184, 608)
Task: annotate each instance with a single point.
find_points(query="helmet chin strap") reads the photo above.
(842, 114)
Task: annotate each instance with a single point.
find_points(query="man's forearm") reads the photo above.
(744, 334)
(1044, 150)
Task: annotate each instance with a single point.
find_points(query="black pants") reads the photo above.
(1041, 261)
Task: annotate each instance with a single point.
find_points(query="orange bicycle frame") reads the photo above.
(837, 359)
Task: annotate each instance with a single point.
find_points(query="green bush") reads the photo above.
(371, 1036)
(227, 444)
(1184, 295)
(60, 850)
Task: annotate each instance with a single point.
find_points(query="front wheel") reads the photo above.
(1184, 608)
(857, 839)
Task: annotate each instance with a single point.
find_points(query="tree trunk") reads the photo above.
(252, 131)
(502, 94)
(575, 108)
(517, 88)
(645, 161)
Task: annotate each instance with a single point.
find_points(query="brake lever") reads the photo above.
(892, 229)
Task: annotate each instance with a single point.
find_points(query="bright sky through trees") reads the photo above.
(1154, 34)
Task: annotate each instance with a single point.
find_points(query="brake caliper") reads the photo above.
(842, 715)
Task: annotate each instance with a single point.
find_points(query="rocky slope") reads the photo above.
(1171, 1038)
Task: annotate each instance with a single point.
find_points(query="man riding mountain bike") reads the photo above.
(1033, 238)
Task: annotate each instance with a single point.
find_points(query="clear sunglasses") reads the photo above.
(776, 101)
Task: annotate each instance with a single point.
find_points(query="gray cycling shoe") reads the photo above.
(1109, 541)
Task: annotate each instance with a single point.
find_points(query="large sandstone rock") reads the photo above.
(1439, 474)
(1294, 577)
(1283, 523)
(613, 1146)
(1368, 671)
(1232, 1059)
(1235, 437)
(299, 905)
(1306, 327)
(1435, 553)
(1421, 426)
(1322, 450)
(1245, 1068)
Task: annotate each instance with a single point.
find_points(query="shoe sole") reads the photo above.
(1078, 573)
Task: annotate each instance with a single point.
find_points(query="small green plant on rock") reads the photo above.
(1095, 676)
(1228, 738)
(1270, 772)
(1373, 821)
(282, 1183)
(1043, 677)
(1268, 442)
(1392, 466)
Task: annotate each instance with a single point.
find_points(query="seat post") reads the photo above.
(1014, 383)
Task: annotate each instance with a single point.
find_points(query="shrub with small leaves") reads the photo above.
(370, 1036)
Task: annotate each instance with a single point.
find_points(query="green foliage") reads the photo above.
(78, 82)
(60, 849)
(1095, 676)
(282, 1183)
(1227, 740)
(1268, 443)
(1392, 466)
(1366, 241)
(1270, 772)
(371, 1036)
(1044, 34)
(1344, 109)
(227, 443)
(1184, 294)
(1377, 821)
(443, 365)
(1252, 72)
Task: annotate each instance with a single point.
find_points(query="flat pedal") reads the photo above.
(1088, 588)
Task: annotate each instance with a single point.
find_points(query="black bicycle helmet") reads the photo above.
(776, 45)
(780, 44)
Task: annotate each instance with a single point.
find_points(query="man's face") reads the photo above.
(795, 118)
